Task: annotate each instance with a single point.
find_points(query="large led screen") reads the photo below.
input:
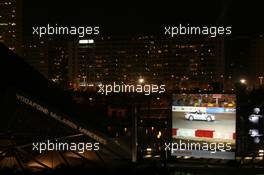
(204, 125)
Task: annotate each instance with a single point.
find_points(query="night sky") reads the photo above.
(138, 18)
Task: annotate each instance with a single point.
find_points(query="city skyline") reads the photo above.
(134, 84)
(53, 56)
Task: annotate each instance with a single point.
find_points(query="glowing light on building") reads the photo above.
(86, 41)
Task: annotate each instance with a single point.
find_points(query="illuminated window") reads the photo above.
(89, 41)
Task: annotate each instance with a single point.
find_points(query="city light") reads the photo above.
(147, 156)
(161, 101)
(141, 80)
(260, 80)
(159, 135)
(149, 149)
(243, 81)
(54, 79)
(86, 41)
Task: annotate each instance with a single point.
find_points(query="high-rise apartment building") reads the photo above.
(10, 24)
(177, 63)
(35, 53)
(81, 63)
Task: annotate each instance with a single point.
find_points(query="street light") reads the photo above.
(141, 80)
(243, 81)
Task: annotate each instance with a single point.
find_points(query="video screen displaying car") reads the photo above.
(198, 115)
(204, 125)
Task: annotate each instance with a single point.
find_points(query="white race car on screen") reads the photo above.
(199, 116)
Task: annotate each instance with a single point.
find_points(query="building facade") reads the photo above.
(11, 24)
(177, 63)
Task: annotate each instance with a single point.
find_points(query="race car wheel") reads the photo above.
(191, 118)
(209, 118)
